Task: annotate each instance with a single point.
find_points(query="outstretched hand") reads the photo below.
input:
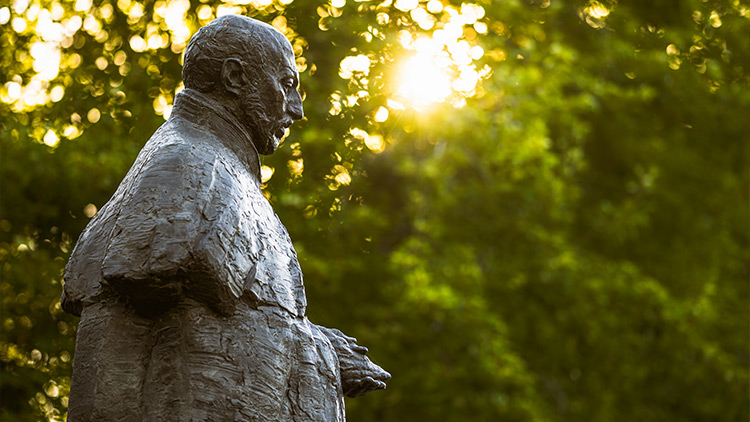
(359, 375)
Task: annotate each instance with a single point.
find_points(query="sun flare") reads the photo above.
(441, 67)
(423, 81)
(439, 60)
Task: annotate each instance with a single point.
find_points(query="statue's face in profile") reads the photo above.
(274, 104)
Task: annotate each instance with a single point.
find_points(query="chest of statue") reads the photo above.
(250, 240)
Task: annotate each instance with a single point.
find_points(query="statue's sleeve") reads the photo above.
(158, 250)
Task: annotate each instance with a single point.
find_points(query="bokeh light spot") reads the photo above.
(94, 115)
(266, 173)
(406, 5)
(4, 15)
(381, 115)
(89, 210)
(51, 139)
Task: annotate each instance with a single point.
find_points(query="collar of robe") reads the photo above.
(207, 113)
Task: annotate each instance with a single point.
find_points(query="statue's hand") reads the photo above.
(359, 375)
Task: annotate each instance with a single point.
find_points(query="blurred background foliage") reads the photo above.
(531, 210)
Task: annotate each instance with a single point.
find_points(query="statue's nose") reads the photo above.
(295, 106)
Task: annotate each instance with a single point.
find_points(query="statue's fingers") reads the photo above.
(338, 333)
(382, 375)
(375, 371)
(367, 384)
(373, 384)
(363, 386)
(362, 350)
(358, 388)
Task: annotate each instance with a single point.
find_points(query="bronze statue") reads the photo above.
(189, 290)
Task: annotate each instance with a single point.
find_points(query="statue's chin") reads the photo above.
(269, 146)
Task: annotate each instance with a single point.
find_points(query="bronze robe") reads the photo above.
(190, 293)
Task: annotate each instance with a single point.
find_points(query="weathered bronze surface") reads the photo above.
(189, 290)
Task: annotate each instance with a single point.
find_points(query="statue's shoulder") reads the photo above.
(178, 139)
(178, 153)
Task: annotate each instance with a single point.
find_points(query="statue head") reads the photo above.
(249, 67)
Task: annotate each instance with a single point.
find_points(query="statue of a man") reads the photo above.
(189, 290)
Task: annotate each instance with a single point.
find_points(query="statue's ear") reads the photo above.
(233, 76)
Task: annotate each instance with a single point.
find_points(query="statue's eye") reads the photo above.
(288, 83)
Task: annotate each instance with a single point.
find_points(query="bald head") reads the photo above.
(249, 67)
(257, 44)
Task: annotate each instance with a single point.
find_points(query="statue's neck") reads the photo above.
(208, 113)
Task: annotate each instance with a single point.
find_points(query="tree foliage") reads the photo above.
(561, 235)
